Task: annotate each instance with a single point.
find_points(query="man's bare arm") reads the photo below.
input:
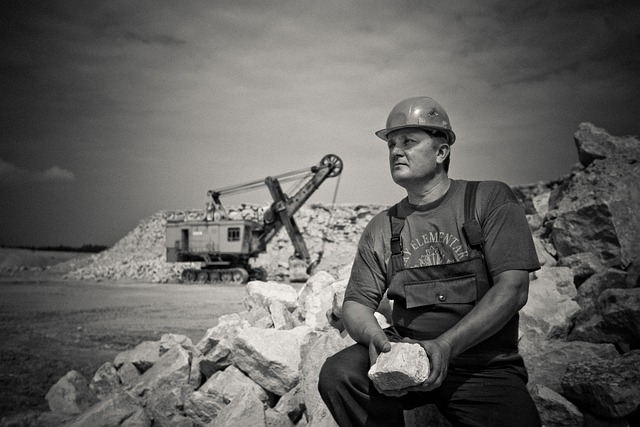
(502, 301)
(363, 327)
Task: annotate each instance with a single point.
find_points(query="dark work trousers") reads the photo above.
(494, 396)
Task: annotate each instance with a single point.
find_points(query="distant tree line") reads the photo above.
(62, 248)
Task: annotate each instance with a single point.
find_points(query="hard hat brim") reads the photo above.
(384, 133)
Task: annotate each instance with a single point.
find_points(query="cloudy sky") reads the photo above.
(113, 110)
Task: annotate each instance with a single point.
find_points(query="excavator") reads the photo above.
(226, 246)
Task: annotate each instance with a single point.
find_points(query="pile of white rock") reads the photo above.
(258, 367)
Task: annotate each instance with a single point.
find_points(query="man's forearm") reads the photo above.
(360, 322)
(503, 300)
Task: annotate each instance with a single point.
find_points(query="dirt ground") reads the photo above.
(49, 326)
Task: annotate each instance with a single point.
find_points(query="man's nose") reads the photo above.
(396, 151)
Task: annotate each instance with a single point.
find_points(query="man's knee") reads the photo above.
(330, 375)
(323, 378)
(344, 369)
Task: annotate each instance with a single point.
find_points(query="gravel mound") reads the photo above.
(140, 255)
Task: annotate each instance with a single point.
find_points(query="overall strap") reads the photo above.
(397, 261)
(473, 232)
(471, 227)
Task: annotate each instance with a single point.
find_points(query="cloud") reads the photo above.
(11, 174)
(55, 173)
(161, 39)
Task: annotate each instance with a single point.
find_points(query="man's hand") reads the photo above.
(379, 343)
(363, 327)
(439, 352)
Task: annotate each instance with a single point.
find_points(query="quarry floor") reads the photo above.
(49, 326)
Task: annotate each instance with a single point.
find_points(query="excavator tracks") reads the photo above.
(235, 275)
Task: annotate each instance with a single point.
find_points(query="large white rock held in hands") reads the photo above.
(405, 365)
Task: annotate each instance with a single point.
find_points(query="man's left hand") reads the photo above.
(439, 352)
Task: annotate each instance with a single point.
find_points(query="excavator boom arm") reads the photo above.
(284, 207)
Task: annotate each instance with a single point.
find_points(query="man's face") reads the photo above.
(412, 156)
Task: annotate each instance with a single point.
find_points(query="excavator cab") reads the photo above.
(219, 238)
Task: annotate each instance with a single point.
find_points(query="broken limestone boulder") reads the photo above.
(128, 374)
(314, 352)
(292, 404)
(338, 289)
(196, 377)
(334, 315)
(142, 356)
(217, 343)
(583, 265)
(71, 394)
(168, 341)
(594, 207)
(245, 410)
(620, 311)
(281, 317)
(590, 290)
(203, 407)
(165, 404)
(274, 418)
(226, 329)
(258, 317)
(541, 202)
(554, 409)
(173, 368)
(315, 298)
(595, 143)
(270, 357)
(547, 362)
(105, 381)
(230, 383)
(598, 282)
(405, 365)
(550, 306)
(314, 285)
(609, 388)
(260, 294)
(616, 320)
(588, 228)
(118, 410)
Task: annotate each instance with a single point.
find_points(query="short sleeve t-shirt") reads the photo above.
(433, 235)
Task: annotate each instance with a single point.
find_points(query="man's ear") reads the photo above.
(443, 152)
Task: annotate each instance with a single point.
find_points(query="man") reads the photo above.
(454, 257)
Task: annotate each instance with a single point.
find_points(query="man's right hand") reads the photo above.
(363, 327)
(379, 343)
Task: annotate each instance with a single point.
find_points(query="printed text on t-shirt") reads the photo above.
(434, 248)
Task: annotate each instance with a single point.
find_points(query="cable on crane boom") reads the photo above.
(284, 177)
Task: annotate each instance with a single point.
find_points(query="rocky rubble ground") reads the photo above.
(579, 332)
